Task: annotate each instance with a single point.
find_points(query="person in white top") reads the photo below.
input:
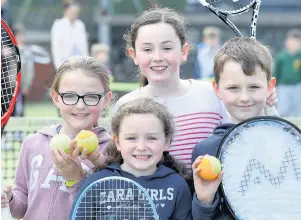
(68, 35)
(157, 44)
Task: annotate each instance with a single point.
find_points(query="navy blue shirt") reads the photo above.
(168, 190)
(210, 146)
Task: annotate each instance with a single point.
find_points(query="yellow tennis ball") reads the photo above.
(87, 139)
(61, 141)
(210, 167)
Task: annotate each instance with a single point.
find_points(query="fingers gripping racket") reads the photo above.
(10, 73)
(114, 198)
(261, 158)
(10, 85)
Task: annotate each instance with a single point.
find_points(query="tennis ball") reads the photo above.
(61, 141)
(210, 167)
(87, 139)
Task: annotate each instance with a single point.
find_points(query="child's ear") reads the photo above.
(185, 52)
(116, 141)
(132, 54)
(55, 98)
(271, 85)
(108, 98)
(216, 89)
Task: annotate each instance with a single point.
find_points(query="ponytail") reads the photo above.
(143, 80)
(171, 163)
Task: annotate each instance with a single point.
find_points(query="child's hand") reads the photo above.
(97, 158)
(67, 166)
(205, 190)
(6, 196)
(272, 98)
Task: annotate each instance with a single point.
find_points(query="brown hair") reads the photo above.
(88, 65)
(69, 3)
(154, 16)
(294, 33)
(248, 52)
(143, 106)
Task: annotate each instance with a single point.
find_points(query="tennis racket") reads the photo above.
(114, 198)
(10, 73)
(224, 8)
(10, 85)
(261, 158)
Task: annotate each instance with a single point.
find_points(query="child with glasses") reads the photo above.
(80, 91)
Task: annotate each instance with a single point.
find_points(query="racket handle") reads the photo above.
(271, 111)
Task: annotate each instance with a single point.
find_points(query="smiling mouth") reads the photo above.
(161, 68)
(245, 106)
(80, 115)
(142, 157)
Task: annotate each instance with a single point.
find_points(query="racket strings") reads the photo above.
(114, 200)
(9, 69)
(230, 5)
(262, 164)
(290, 159)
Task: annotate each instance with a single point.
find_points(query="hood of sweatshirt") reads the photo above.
(223, 129)
(161, 172)
(52, 130)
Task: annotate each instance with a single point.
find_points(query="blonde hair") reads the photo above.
(96, 48)
(211, 32)
(88, 65)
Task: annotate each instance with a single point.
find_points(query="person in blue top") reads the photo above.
(206, 51)
(142, 131)
(243, 81)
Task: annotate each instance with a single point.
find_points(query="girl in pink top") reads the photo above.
(80, 91)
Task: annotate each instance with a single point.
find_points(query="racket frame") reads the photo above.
(6, 116)
(245, 122)
(223, 15)
(156, 217)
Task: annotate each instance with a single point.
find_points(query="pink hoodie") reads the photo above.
(39, 192)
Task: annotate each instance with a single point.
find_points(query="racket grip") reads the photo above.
(271, 111)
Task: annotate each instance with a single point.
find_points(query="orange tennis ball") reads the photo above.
(210, 167)
(87, 139)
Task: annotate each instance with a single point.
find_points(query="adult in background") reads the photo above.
(101, 52)
(288, 74)
(27, 62)
(206, 51)
(68, 35)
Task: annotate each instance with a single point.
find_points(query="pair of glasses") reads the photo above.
(88, 99)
